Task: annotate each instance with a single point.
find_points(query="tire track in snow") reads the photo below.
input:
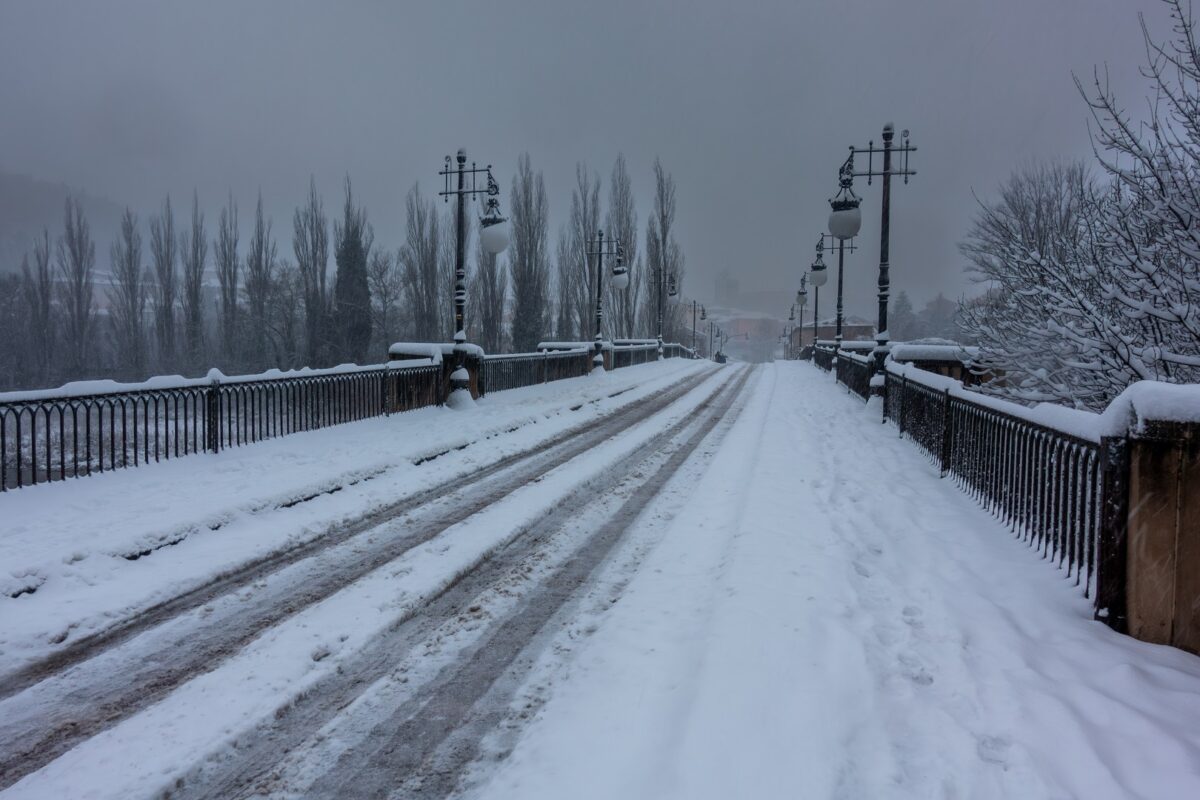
(77, 705)
(400, 745)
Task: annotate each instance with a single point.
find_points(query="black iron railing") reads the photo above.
(823, 357)
(627, 356)
(56, 435)
(61, 436)
(500, 372)
(854, 372)
(1061, 493)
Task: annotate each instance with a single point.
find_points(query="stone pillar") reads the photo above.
(1163, 589)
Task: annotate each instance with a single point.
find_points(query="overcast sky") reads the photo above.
(751, 105)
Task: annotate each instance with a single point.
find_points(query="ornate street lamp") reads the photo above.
(843, 217)
(493, 237)
(802, 301)
(818, 274)
(620, 279)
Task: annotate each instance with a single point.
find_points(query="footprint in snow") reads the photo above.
(861, 570)
(912, 616)
(914, 670)
(994, 750)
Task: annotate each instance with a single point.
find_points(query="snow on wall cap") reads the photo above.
(434, 350)
(933, 352)
(1155, 401)
(588, 345)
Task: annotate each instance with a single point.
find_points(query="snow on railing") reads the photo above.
(1055, 475)
(96, 426)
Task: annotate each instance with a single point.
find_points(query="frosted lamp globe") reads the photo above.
(493, 235)
(845, 222)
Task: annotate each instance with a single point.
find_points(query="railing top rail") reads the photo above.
(84, 390)
(1083, 426)
(850, 355)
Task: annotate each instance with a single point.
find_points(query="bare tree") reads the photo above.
(621, 224)
(225, 251)
(194, 249)
(489, 290)
(76, 264)
(260, 267)
(529, 263)
(353, 238)
(162, 253)
(15, 367)
(37, 289)
(578, 272)
(286, 324)
(310, 243)
(387, 288)
(664, 258)
(127, 299)
(421, 264)
(565, 279)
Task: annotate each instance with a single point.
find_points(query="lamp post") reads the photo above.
(802, 301)
(842, 247)
(703, 316)
(493, 236)
(819, 275)
(842, 219)
(620, 279)
(787, 350)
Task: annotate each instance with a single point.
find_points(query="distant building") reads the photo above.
(854, 329)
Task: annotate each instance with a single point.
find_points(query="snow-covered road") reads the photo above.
(827, 618)
(671, 581)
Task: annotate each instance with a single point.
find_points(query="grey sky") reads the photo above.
(750, 105)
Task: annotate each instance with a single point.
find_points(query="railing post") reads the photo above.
(1114, 522)
(385, 396)
(901, 402)
(947, 432)
(212, 396)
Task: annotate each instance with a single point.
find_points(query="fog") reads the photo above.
(751, 107)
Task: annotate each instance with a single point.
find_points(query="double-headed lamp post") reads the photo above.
(620, 280)
(493, 237)
(846, 217)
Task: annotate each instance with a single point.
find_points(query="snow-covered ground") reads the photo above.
(827, 618)
(794, 605)
(195, 517)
